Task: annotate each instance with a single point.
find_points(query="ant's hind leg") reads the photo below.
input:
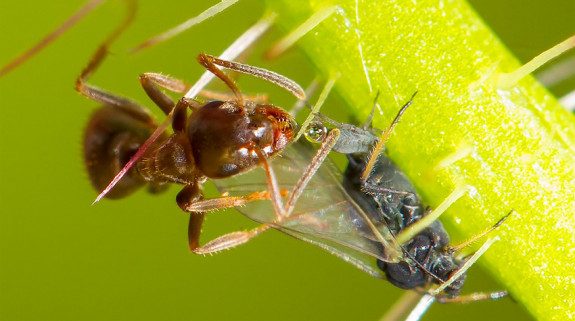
(102, 96)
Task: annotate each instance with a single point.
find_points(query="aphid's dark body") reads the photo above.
(399, 210)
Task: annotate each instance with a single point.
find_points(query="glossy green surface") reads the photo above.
(62, 259)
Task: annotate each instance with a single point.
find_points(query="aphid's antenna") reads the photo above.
(369, 119)
(290, 39)
(86, 9)
(236, 48)
(424, 222)
(322, 97)
(508, 80)
(480, 235)
(208, 13)
(309, 91)
(379, 147)
(465, 266)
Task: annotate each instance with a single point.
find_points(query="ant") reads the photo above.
(218, 140)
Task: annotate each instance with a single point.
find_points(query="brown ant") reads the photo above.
(218, 140)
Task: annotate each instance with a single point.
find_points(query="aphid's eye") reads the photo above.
(316, 132)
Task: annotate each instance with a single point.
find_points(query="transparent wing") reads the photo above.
(325, 214)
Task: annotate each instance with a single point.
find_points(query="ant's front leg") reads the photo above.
(191, 195)
(151, 80)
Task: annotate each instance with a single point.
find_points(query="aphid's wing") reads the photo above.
(325, 214)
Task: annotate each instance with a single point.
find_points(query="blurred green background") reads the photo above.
(62, 259)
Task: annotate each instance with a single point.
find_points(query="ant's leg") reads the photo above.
(222, 202)
(104, 97)
(228, 241)
(86, 9)
(192, 194)
(150, 80)
(209, 63)
(237, 238)
(161, 99)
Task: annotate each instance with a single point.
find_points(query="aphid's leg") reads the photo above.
(86, 9)
(408, 233)
(313, 166)
(290, 39)
(206, 14)
(369, 119)
(374, 189)
(568, 101)
(404, 304)
(458, 247)
(468, 263)
(422, 306)
(381, 144)
(477, 296)
(209, 63)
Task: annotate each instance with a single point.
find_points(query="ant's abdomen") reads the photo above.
(110, 139)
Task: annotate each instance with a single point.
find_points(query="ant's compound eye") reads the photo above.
(316, 132)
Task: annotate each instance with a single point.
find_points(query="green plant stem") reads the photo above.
(514, 147)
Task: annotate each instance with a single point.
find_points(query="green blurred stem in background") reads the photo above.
(514, 147)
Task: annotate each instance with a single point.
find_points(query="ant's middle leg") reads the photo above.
(192, 194)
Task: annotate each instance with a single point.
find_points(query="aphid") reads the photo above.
(359, 221)
(219, 139)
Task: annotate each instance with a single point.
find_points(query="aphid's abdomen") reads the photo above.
(110, 139)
